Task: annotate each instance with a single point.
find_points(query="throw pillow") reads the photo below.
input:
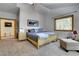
(77, 38)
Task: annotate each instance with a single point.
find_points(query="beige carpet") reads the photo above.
(11, 47)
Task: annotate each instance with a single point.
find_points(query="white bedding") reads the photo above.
(49, 33)
(44, 34)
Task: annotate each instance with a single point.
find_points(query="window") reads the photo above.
(64, 23)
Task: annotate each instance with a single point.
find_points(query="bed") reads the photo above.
(40, 38)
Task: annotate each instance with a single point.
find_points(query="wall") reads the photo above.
(62, 12)
(26, 12)
(7, 15)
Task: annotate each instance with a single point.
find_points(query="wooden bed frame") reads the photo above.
(41, 42)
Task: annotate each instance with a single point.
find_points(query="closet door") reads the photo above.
(7, 29)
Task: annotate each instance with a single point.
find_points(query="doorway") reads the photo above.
(7, 28)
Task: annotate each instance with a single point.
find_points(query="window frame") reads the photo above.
(61, 19)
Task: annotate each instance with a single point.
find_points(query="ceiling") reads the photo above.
(57, 5)
(57, 9)
(46, 8)
(8, 7)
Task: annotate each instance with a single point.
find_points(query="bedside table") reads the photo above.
(22, 36)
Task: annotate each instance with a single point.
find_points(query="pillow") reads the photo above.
(39, 30)
(35, 30)
(77, 38)
(31, 30)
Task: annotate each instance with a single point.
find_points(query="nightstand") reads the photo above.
(22, 36)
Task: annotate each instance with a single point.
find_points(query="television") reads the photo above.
(8, 24)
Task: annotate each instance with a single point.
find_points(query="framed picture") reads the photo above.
(64, 23)
(8, 24)
(32, 23)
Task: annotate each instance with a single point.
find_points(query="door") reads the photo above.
(8, 29)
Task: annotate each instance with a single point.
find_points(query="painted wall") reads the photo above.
(26, 12)
(7, 15)
(60, 12)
